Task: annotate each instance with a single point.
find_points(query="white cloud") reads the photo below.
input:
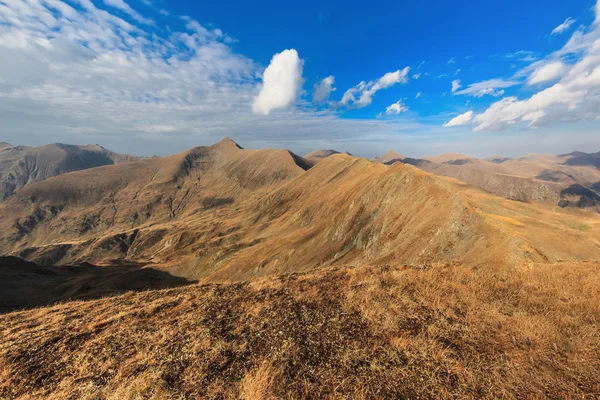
(416, 76)
(362, 94)
(492, 87)
(86, 75)
(462, 119)
(121, 5)
(547, 72)
(322, 90)
(521, 55)
(575, 97)
(419, 94)
(396, 108)
(452, 60)
(282, 81)
(563, 27)
(456, 85)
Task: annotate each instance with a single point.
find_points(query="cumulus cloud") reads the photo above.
(492, 87)
(455, 85)
(462, 119)
(563, 27)
(396, 108)
(322, 90)
(282, 81)
(362, 94)
(547, 72)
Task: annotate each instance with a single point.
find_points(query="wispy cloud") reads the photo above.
(396, 108)
(362, 94)
(460, 120)
(322, 90)
(565, 26)
(456, 85)
(492, 87)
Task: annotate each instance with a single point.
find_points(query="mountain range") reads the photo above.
(358, 270)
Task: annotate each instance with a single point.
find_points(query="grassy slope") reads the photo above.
(442, 331)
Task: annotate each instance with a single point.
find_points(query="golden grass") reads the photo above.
(438, 331)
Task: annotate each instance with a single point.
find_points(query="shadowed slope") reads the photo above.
(26, 285)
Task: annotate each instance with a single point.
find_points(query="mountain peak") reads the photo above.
(229, 143)
(391, 156)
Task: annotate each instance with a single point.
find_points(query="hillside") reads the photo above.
(223, 213)
(433, 331)
(21, 165)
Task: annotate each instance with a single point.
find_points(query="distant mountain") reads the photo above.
(316, 156)
(21, 165)
(568, 180)
(390, 156)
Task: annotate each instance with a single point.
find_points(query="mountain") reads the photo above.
(567, 180)
(388, 157)
(21, 166)
(223, 213)
(344, 279)
(316, 156)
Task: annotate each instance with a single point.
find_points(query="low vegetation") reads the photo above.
(432, 331)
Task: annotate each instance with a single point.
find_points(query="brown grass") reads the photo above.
(439, 331)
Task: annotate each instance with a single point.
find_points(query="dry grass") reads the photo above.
(442, 331)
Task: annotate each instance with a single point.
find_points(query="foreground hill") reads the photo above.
(437, 331)
(569, 180)
(223, 213)
(21, 165)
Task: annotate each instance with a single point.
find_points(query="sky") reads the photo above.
(156, 77)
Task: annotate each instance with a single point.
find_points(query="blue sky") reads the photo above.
(156, 77)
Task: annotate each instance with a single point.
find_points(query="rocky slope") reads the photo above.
(21, 166)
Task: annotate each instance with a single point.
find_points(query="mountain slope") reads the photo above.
(431, 332)
(223, 213)
(21, 166)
